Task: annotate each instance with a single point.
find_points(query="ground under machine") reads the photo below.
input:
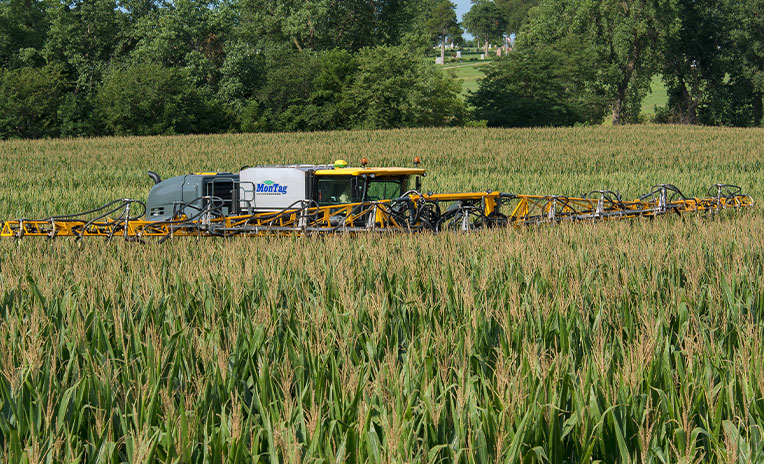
(336, 198)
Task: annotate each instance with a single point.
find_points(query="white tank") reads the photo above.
(270, 188)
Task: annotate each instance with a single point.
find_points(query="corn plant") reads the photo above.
(613, 342)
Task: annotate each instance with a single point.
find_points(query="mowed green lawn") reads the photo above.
(470, 72)
(657, 96)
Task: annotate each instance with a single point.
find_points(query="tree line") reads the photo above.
(100, 67)
(581, 61)
(141, 67)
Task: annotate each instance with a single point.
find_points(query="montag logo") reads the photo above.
(269, 187)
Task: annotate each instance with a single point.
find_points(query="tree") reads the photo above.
(486, 21)
(746, 55)
(184, 33)
(149, 99)
(711, 57)
(691, 61)
(23, 28)
(84, 35)
(305, 91)
(540, 86)
(415, 32)
(323, 24)
(241, 75)
(443, 24)
(137, 9)
(393, 87)
(329, 106)
(379, 87)
(624, 35)
(29, 99)
(515, 13)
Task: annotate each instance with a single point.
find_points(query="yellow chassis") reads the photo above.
(473, 210)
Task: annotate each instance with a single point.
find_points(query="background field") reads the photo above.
(624, 341)
(657, 97)
(469, 73)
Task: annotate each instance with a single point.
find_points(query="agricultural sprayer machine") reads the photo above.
(328, 199)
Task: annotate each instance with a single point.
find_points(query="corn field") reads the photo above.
(615, 342)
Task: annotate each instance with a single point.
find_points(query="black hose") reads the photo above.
(123, 202)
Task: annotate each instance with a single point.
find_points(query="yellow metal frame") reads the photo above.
(413, 212)
(370, 171)
(374, 216)
(536, 208)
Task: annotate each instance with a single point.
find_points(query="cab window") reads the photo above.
(386, 188)
(335, 191)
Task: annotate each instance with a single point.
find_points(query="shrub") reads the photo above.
(396, 88)
(148, 98)
(541, 86)
(29, 99)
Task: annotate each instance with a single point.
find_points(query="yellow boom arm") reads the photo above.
(412, 212)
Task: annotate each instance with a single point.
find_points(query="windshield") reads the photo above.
(382, 188)
(335, 191)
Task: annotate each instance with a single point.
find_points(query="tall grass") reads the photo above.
(622, 342)
(38, 178)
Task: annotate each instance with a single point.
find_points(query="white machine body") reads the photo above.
(271, 188)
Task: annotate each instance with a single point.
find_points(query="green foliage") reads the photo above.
(739, 101)
(137, 9)
(76, 116)
(623, 36)
(83, 37)
(329, 107)
(443, 22)
(709, 53)
(543, 86)
(252, 119)
(747, 37)
(287, 91)
(23, 28)
(443, 25)
(416, 35)
(394, 88)
(691, 64)
(306, 91)
(379, 87)
(711, 62)
(241, 74)
(324, 24)
(29, 100)
(486, 21)
(188, 31)
(733, 103)
(151, 67)
(148, 98)
(515, 13)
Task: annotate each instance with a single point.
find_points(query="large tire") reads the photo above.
(454, 219)
(495, 220)
(429, 216)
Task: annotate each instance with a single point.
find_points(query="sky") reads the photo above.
(463, 6)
